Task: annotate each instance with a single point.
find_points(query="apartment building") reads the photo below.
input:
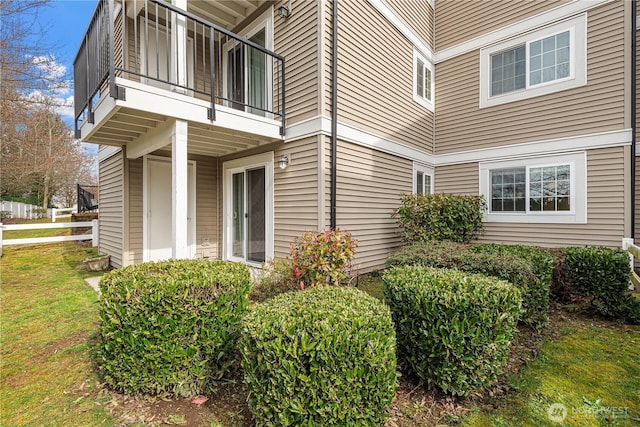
(223, 135)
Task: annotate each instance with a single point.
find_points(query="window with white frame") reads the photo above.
(423, 81)
(543, 189)
(541, 62)
(422, 179)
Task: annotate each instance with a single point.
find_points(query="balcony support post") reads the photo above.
(179, 190)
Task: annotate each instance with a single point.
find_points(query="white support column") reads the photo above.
(179, 190)
(179, 46)
(95, 233)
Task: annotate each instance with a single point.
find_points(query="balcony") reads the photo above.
(144, 62)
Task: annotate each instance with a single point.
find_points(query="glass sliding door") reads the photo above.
(257, 73)
(256, 215)
(238, 215)
(248, 75)
(248, 208)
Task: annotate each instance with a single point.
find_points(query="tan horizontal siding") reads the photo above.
(295, 193)
(135, 218)
(369, 187)
(111, 225)
(417, 15)
(457, 179)
(457, 21)
(208, 193)
(605, 205)
(375, 78)
(596, 107)
(296, 38)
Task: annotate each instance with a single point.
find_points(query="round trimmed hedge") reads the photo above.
(320, 357)
(170, 327)
(454, 328)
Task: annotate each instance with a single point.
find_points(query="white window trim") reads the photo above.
(228, 169)
(578, 74)
(426, 170)
(578, 188)
(426, 103)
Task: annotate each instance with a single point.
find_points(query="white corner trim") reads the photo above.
(545, 18)
(106, 151)
(308, 127)
(537, 148)
(403, 28)
(637, 22)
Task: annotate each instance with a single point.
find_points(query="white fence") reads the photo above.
(20, 210)
(634, 252)
(93, 236)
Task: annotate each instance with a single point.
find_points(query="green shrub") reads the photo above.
(277, 278)
(321, 357)
(322, 258)
(453, 328)
(170, 327)
(425, 217)
(603, 275)
(499, 261)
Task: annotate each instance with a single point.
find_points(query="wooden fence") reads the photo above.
(31, 240)
(634, 252)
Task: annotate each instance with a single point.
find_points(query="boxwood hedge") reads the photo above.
(603, 275)
(320, 357)
(528, 268)
(170, 327)
(453, 328)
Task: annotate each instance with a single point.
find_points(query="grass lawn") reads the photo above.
(48, 314)
(590, 366)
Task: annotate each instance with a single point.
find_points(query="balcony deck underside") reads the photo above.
(147, 111)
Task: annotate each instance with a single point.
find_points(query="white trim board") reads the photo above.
(540, 20)
(539, 148)
(347, 132)
(106, 151)
(403, 28)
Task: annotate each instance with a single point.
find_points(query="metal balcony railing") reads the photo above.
(157, 44)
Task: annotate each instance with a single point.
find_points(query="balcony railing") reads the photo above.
(157, 44)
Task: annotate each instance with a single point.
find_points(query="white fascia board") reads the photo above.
(403, 28)
(548, 17)
(107, 151)
(105, 108)
(183, 107)
(550, 146)
(321, 125)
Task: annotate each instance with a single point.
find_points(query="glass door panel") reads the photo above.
(235, 76)
(238, 215)
(257, 71)
(256, 215)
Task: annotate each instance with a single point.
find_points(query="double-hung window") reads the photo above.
(423, 82)
(422, 179)
(541, 62)
(544, 189)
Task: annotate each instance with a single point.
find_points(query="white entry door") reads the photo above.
(158, 244)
